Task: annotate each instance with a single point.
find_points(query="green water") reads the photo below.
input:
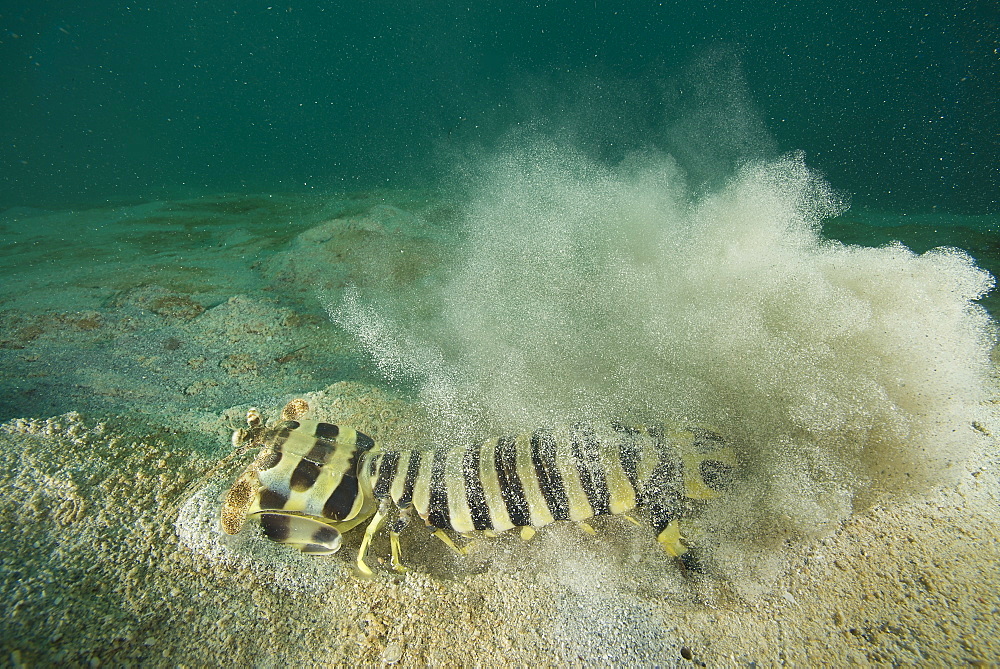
(100, 102)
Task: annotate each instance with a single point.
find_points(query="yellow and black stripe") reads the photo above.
(312, 481)
(302, 486)
(518, 480)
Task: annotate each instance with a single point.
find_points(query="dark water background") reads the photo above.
(894, 101)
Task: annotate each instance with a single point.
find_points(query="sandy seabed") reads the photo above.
(111, 553)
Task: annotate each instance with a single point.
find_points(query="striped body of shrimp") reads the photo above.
(313, 481)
